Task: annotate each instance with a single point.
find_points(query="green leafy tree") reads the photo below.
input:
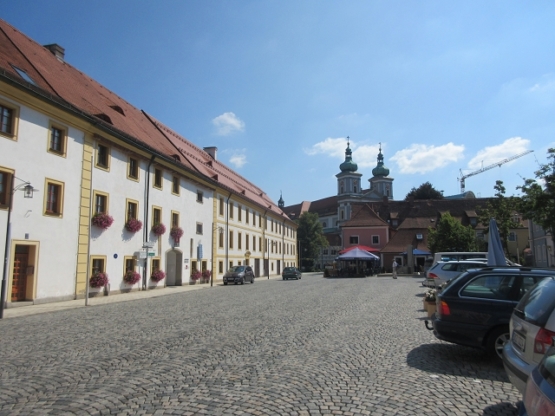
(424, 191)
(451, 235)
(503, 209)
(311, 237)
(538, 200)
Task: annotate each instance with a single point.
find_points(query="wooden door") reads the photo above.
(19, 282)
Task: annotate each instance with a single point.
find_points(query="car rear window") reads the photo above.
(538, 303)
(492, 286)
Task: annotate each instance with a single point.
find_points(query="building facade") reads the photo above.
(115, 191)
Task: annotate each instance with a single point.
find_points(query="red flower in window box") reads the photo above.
(176, 233)
(133, 225)
(197, 274)
(159, 229)
(102, 220)
(131, 277)
(157, 276)
(99, 279)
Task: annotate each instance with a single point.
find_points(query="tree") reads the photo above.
(451, 235)
(538, 200)
(310, 235)
(424, 191)
(503, 209)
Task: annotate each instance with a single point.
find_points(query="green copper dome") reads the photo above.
(348, 165)
(380, 169)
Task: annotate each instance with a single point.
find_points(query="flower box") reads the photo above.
(196, 275)
(98, 280)
(131, 277)
(159, 229)
(133, 225)
(157, 276)
(176, 233)
(102, 220)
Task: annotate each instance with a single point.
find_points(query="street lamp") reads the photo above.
(27, 193)
(221, 231)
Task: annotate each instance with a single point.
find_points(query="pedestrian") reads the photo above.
(394, 269)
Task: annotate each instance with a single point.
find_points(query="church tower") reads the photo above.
(381, 183)
(348, 180)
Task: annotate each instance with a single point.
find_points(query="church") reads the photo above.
(392, 229)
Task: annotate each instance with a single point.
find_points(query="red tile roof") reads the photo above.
(61, 82)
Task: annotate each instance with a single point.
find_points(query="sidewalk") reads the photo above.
(17, 311)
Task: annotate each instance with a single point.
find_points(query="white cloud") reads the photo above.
(420, 158)
(366, 155)
(228, 123)
(363, 155)
(238, 160)
(329, 147)
(493, 154)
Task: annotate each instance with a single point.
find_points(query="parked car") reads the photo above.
(532, 329)
(239, 274)
(291, 273)
(539, 397)
(474, 309)
(443, 271)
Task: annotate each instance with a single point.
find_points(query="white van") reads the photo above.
(459, 255)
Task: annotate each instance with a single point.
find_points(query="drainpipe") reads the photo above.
(266, 243)
(227, 233)
(145, 228)
(91, 210)
(283, 245)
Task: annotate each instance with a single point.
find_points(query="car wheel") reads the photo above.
(496, 341)
(243, 280)
(252, 280)
(282, 278)
(225, 283)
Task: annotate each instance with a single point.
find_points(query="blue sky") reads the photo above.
(277, 86)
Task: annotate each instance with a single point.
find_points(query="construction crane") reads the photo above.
(502, 162)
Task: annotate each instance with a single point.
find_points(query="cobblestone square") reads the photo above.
(315, 346)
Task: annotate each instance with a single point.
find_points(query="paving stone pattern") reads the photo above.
(315, 346)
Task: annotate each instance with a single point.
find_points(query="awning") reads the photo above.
(418, 252)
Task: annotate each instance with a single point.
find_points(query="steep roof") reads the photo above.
(362, 215)
(60, 82)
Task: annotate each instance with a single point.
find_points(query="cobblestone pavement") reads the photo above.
(315, 346)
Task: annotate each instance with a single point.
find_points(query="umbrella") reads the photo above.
(496, 255)
(365, 248)
(357, 254)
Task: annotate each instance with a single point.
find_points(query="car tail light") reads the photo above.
(544, 340)
(432, 275)
(443, 309)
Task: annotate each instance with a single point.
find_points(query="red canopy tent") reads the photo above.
(361, 247)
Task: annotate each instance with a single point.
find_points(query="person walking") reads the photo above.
(394, 269)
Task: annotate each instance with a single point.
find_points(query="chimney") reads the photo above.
(56, 50)
(212, 151)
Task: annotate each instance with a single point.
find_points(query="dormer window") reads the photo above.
(473, 221)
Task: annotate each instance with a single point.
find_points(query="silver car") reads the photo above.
(532, 328)
(239, 274)
(444, 271)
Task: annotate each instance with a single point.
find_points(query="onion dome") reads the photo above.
(380, 169)
(348, 165)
